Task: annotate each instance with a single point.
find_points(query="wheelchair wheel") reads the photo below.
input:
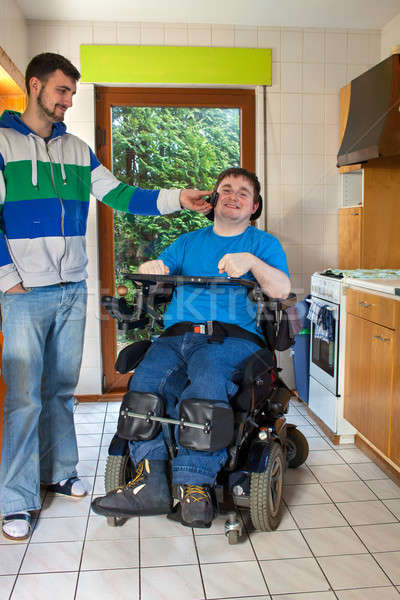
(266, 492)
(118, 472)
(297, 448)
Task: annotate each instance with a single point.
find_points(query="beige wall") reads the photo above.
(390, 36)
(13, 33)
(309, 67)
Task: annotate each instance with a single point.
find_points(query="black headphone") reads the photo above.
(213, 199)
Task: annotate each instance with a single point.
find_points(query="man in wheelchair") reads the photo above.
(191, 371)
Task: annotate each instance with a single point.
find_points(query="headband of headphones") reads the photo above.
(213, 199)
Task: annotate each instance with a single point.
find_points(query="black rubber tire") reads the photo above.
(266, 492)
(297, 448)
(118, 472)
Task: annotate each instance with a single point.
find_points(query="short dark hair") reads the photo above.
(240, 172)
(43, 65)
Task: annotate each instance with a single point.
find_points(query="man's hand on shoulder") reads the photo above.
(236, 265)
(194, 200)
(16, 289)
(153, 267)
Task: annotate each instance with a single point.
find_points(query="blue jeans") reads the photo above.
(43, 341)
(187, 366)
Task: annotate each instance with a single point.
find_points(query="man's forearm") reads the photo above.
(273, 282)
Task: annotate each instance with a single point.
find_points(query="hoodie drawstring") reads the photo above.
(33, 151)
(61, 159)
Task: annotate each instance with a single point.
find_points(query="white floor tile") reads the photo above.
(242, 578)
(347, 491)
(87, 468)
(98, 529)
(110, 554)
(105, 585)
(312, 493)
(366, 513)
(323, 457)
(333, 473)
(64, 529)
(279, 544)
(300, 475)
(380, 538)
(290, 576)
(311, 596)
(352, 571)
(49, 558)
(59, 506)
(384, 488)
(368, 470)
(383, 593)
(158, 552)
(6, 585)
(353, 455)
(91, 407)
(45, 586)
(156, 527)
(393, 506)
(88, 428)
(318, 443)
(89, 439)
(88, 453)
(181, 582)
(216, 549)
(390, 563)
(11, 558)
(334, 541)
(319, 515)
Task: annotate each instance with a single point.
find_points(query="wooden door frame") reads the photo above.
(106, 98)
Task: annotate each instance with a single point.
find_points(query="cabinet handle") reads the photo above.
(382, 339)
(354, 214)
(365, 304)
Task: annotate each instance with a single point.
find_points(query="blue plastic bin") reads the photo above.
(301, 352)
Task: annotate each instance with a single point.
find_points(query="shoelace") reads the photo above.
(138, 477)
(196, 493)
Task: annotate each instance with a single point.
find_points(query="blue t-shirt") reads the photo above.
(198, 253)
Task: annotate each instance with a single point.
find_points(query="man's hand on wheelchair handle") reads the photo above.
(153, 267)
(237, 264)
(194, 200)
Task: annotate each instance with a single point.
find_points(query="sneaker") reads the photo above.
(196, 505)
(73, 487)
(17, 526)
(147, 494)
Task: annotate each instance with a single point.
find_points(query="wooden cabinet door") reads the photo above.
(356, 371)
(349, 242)
(368, 379)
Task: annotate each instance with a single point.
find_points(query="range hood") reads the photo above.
(372, 124)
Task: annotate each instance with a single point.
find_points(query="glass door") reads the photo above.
(161, 139)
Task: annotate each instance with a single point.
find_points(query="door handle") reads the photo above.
(365, 304)
(382, 339)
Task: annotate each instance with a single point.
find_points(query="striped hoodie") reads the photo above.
(45, 188)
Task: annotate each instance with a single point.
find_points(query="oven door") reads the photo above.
(324, 355)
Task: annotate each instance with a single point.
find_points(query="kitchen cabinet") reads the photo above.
(372, 364)
(368, 231)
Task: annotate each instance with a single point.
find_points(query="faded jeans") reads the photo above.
(187, 366)
(43, 341)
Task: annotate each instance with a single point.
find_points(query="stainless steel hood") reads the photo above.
(373, 119)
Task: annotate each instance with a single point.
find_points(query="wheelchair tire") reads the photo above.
(118, 472)
(266, 492)
(297, 448)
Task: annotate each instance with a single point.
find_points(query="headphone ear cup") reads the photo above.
(258, 212)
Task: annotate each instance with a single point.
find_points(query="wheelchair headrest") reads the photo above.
(213, 199)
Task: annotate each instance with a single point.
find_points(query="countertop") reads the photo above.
(386, 286)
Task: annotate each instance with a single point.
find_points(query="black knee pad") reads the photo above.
(143, 403)
(217, 418)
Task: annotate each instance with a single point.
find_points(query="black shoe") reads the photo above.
(196, 508)
(147, 494)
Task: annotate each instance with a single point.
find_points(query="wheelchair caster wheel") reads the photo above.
(233, 528)
(233, 537)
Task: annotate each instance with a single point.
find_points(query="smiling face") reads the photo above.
(54, 95)
(236, 200)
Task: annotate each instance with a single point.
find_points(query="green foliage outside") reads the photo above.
(167, 147)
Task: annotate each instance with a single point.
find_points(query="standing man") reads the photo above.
(46, 178)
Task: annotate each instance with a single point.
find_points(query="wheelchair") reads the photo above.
(260, 443)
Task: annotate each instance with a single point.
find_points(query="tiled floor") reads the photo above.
(339, 537)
